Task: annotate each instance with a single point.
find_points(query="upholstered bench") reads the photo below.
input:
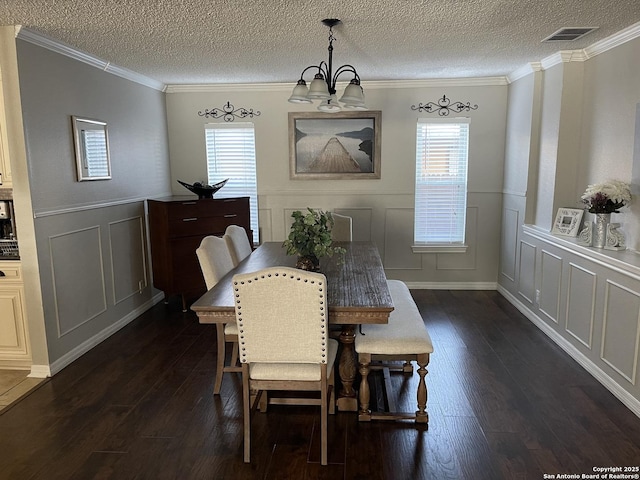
(403, 338)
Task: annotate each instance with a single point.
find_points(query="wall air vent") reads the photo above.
(569, 34)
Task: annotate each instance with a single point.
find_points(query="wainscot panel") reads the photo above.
(600, 292)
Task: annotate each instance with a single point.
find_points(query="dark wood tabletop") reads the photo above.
(357, 286)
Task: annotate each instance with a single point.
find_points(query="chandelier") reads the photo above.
(323, 85)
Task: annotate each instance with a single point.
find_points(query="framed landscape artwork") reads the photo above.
(335, 146)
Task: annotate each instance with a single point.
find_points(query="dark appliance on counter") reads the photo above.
(8, 238)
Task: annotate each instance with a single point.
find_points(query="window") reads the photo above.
(441, 183)
(231, 153)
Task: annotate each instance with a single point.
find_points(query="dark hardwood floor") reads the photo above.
(504, 403)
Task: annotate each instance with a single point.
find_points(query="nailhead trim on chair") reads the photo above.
(293, 277)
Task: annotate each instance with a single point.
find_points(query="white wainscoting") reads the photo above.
(94, 270)
(526, 275)
(550, 285)
(588, 301)
(510, 226)
(77, 269)
(581, 303)
(128, 257)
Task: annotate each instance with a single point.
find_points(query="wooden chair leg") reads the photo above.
(246, 407)
(263, 401)
(220, 360)
(323, 416)
(364, 361)
(184, 303)
(332, 394)
(421, 415)
(234, 354)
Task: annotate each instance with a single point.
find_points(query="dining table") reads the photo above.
(357, 293)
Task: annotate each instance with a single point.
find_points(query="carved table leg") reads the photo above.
(347, 401)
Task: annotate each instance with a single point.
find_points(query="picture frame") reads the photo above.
(335, 146)
(567, 222)
(91, 142)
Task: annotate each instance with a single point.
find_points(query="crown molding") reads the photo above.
(630, 33)
(623, 36)
(372, 84)
(563, 56)
(522, 72)
(36, 38)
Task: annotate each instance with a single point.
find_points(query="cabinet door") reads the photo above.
(185, 267)
(5, 167)
(13, 338)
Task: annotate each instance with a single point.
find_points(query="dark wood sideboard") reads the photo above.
(176, 226)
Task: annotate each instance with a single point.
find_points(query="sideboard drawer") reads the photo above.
(187, 226)
(10, 272)
(176, 211)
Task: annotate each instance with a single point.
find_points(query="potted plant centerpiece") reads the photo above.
(310, 238)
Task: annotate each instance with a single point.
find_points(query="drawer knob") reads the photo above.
(192, 219)
(230, 215)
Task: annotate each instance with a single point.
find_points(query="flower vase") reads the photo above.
(600, 229)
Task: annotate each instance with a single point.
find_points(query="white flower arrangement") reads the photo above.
(607, 197)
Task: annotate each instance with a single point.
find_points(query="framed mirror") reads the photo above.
(92, 149)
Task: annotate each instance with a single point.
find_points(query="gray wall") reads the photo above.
(91, 236)
(579, 128)
(382, 210)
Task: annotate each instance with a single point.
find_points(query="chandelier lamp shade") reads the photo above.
(323, 85)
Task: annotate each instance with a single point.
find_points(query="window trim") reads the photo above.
(253, 201)
(442, 247)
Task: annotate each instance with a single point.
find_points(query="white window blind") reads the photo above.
(231, 153)
(442, 147)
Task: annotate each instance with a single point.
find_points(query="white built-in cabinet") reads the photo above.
(14, 337)
(588, 301)
(5, 167)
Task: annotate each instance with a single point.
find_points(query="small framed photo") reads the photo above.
(568, 222)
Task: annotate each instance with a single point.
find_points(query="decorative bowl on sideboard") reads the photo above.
(204, 191)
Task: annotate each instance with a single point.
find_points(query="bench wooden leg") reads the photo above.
(421, 415)
(364, 413)
(407, 367)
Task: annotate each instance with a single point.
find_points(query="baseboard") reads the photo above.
(40, 371)
(631, 402)
(84, 347)
(15, 364)
(452, 285)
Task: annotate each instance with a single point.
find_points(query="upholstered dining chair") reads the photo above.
(282, 319)
(238, 243)
(342, 230)
(215, 262)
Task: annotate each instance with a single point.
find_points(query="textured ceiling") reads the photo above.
(260, 41)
